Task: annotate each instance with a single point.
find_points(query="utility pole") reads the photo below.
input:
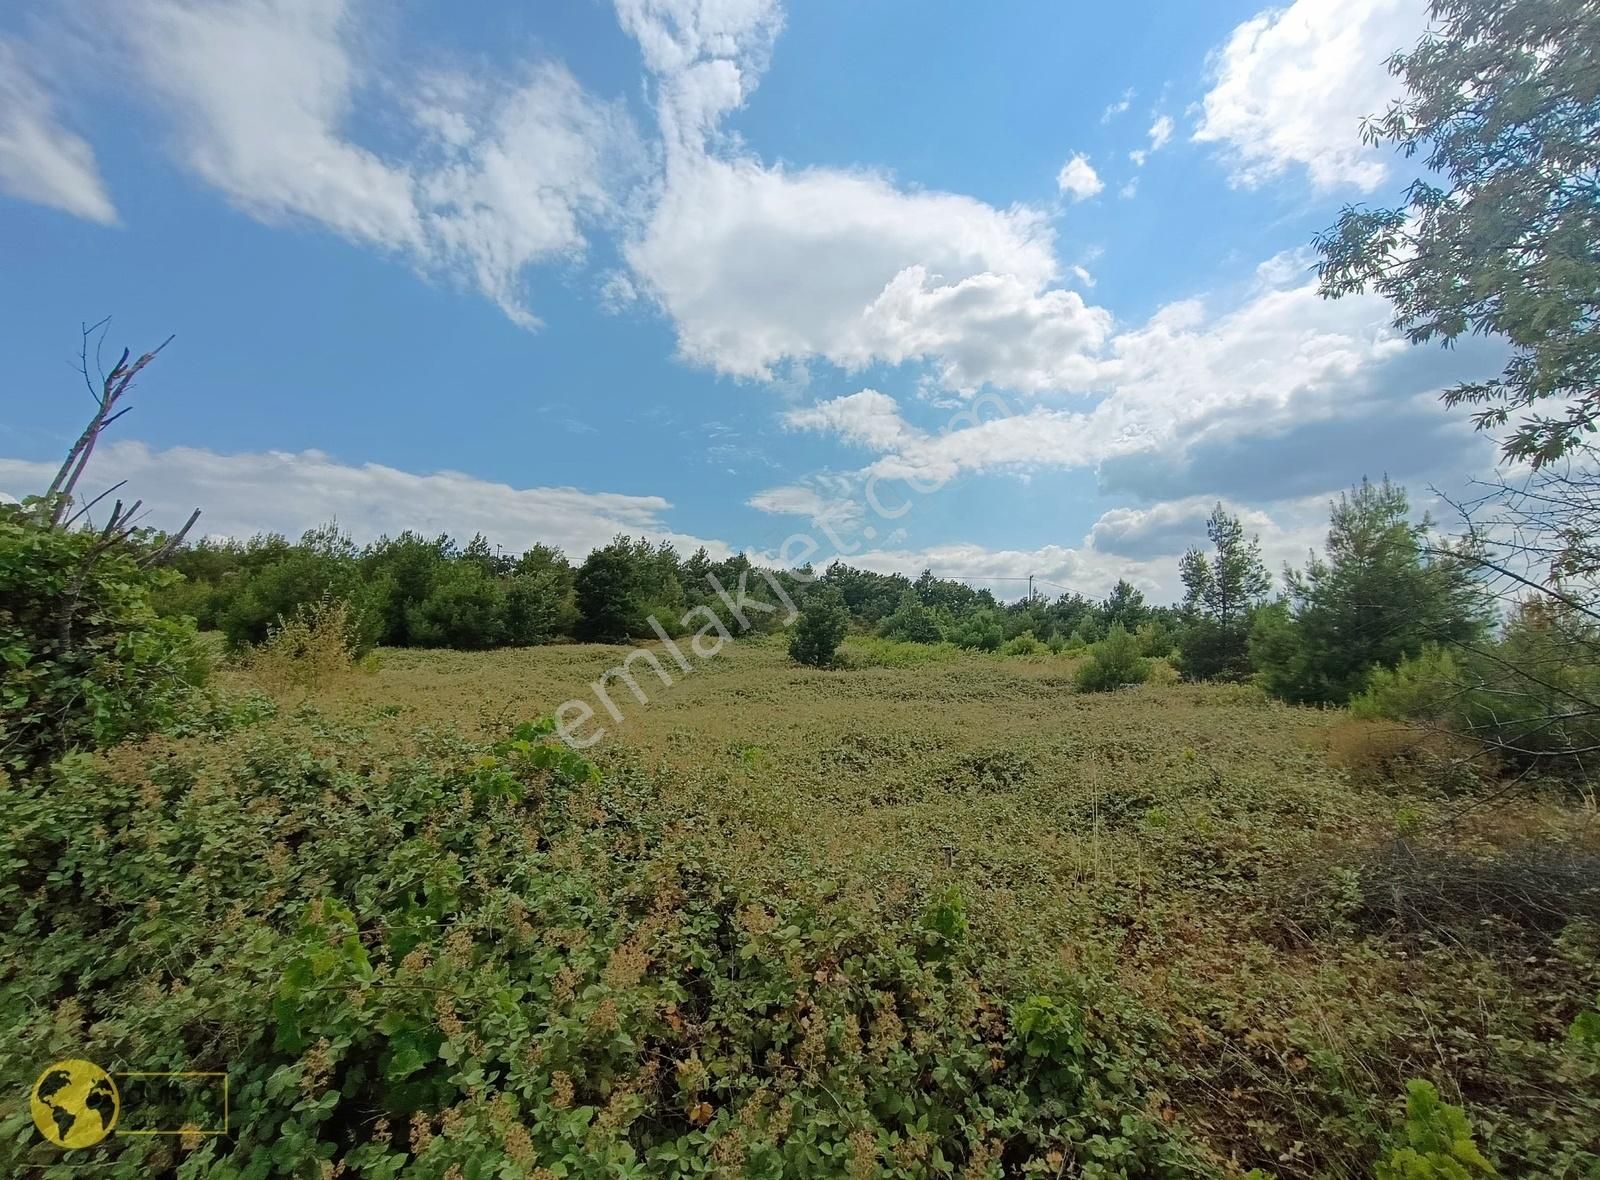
(1030, 589)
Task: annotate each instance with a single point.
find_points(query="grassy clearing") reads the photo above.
(1194, 847)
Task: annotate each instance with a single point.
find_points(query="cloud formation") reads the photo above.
(1284, 394)
(40, 160)
(1077, 180)
(276, 491)
(1291, 86)
(756, 264)
(1160, 132)
(491, 176)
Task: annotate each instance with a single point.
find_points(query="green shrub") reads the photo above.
(1424, 687)
(533, 608)
(321, 566)
(87, 661)
(1022, 645)
(1438, 1142)
(1161, 672)
(307, 652)
(1529, 699)
(1113, 662)
(464, 610)
(982, 631)
(911, 622)
(1209, 650)
(1155, 639)
(497, 962)
(819, 630)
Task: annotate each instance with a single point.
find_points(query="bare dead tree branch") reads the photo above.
(73, 519)
(58, 497)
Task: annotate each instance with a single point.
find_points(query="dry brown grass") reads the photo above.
(1379, 751)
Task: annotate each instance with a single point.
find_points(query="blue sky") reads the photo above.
(715, 270)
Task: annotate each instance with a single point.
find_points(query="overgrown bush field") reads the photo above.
(957, 919)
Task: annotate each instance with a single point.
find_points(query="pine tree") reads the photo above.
(820, 629)
(1374, 599)
(1221, 592)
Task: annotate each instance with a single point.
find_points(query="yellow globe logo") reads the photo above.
(75, 1103)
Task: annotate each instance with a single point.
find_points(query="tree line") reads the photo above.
(1378, 596)
(416, 591)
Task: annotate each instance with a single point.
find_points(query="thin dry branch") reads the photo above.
(58, 497)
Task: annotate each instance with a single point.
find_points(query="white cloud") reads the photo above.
(789, 500)
(1204, 401)
(1078, 180)
(1165, 530)
(40, 160)
(1160, 132)
(1291, 86)
(1289, 268)
(259, 90)
(825, 496)
(1138, 156)
(758, 265)
(869, 418)
(989, 329)
(617, 293)
(707, 56)
(276, 491)
(503, 175)
(1122, 104)
(533, 162)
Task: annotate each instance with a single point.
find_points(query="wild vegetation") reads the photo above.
(927, 884)
(989, 923)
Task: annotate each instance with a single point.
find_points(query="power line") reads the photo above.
(1004, 578)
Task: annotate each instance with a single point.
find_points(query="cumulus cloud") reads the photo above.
(40, 160)
(707, 56)
(989, 329)
(1291, 85)
(868, 417)
(284, 492)
(1283, 394)
(757, 264)
(1167, 529)
(499, 175)
(1078, 180)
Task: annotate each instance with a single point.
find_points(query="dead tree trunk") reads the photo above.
(59, 498)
